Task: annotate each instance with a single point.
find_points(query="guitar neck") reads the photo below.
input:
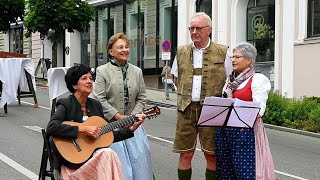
(118, 124)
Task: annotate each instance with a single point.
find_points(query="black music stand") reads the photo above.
(227, 112)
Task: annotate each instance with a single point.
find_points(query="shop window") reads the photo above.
(256, 3)
(313, 18)
(261, 33)
(204, 6)
(85, 48)
(260, 28)
(16, 40)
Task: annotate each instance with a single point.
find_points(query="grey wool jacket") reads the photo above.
(109, 90)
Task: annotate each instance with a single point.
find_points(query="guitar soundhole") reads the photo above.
(76, 145)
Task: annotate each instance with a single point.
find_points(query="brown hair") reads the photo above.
(115, 37)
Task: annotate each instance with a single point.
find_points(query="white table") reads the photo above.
(16, 73)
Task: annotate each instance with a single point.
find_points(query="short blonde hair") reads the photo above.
(115, 37)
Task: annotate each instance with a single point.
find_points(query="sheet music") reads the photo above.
(244, 113)
(215, 111)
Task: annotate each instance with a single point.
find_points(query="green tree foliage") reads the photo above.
(10, 11)
(53, 17)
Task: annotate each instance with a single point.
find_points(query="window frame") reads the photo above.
(199, 3)
(310, 23)
(12, 31)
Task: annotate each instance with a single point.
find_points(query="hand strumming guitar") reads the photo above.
(91, 131)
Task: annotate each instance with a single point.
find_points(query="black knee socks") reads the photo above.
(184, 174)
(210, 174)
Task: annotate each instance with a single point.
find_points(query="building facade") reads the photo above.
(286, 34)
(147, 23)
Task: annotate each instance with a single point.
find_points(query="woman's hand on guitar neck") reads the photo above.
(141, 118)
(91, 131)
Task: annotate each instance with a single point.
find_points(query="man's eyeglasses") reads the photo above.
(236, 57)
(197, 28)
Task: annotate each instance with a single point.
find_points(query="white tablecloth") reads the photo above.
(12, 75)
(56, 83)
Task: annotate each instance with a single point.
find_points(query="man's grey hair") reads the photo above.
(247, 50)
(204, 15)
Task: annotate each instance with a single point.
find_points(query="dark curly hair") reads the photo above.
(74, 74)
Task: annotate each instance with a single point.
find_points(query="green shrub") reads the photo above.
(314, 115)
(276, 109)
(302, 114)
(313, 98)
(300, 109)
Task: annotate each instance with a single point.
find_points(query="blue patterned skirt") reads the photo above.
(235, 151)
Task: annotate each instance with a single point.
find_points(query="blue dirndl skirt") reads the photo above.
(135, 156)
(235, 151)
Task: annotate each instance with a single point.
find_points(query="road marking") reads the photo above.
(164, 140)
(18, 167)
(290, 175)
(33, 104)
(35, 128)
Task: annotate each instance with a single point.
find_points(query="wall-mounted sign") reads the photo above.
(260, 23)
(67, 50)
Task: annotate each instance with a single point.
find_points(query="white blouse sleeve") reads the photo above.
(228, 64)
(260, 88)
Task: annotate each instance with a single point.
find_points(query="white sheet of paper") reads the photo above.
(215, 110)
(247, 112)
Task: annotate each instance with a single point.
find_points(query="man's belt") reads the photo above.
(197, 71)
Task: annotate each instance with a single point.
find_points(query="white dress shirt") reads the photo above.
(197, 63)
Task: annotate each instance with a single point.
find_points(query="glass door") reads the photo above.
(261, 33)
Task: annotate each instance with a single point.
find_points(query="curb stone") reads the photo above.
(296, 131)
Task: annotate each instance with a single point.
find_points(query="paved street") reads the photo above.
(295, 156)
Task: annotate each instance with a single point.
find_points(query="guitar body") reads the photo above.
(68, 149)
(78, 151)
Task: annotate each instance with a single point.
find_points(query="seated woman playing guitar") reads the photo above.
(78, 107)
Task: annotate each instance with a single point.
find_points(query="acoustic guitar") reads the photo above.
(78, 151)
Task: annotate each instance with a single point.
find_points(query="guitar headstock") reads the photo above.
(152, 112)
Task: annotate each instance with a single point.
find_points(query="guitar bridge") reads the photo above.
(76, 145)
